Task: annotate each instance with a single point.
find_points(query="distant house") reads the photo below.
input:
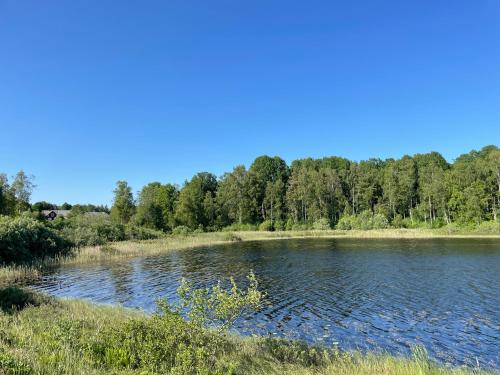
(52, 214)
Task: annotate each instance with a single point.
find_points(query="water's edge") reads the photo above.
(387, 294)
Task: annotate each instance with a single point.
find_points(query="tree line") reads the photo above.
(15, 198)
(418, 190)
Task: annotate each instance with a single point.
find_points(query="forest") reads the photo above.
(422, 190)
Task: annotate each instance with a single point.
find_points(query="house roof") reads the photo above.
(63, 213)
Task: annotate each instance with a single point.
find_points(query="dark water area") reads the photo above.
(385, 295)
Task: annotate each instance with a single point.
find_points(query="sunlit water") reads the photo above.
(386, 295)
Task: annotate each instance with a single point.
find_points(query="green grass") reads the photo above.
(76, 337)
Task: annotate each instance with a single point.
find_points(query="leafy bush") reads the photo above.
(300, 226)
(486, 227)
(380, 222)
(240, 227)
(23, 239)
(90, 231)
(200, 229)
(279, 225)
(181, 230)
(489, 227)
(266, 226)
(452, 228)
(82, 235)
(321, 224)
(398, 221)
(365, 220)
(347, 222)
(166, 342)
(217, 307)
(133, 232)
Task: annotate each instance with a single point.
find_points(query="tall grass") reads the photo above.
(76, 337)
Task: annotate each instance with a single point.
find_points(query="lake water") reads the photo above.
(383, 295)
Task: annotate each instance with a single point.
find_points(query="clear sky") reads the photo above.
(93, 91)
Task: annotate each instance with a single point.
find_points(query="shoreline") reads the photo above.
(128, 249)
(125, 249)
(49, 317)
(248, 354)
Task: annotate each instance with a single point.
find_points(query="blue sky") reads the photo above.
(96, 91)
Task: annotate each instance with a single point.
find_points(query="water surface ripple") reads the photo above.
(383, 295)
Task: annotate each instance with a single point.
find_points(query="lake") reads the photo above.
(385, 295)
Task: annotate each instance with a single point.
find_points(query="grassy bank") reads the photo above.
(76, 337)
(124, 249)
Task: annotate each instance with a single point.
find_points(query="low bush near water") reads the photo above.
(181, 230)
(364, 221)
(23, 239)
(133, 232)
(240, 228)
(321, 224)
(489, 227)
(266, 226)
(90, 231)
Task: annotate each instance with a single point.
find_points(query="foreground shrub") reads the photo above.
(217, 307)
(167, 343)
(24, 239)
